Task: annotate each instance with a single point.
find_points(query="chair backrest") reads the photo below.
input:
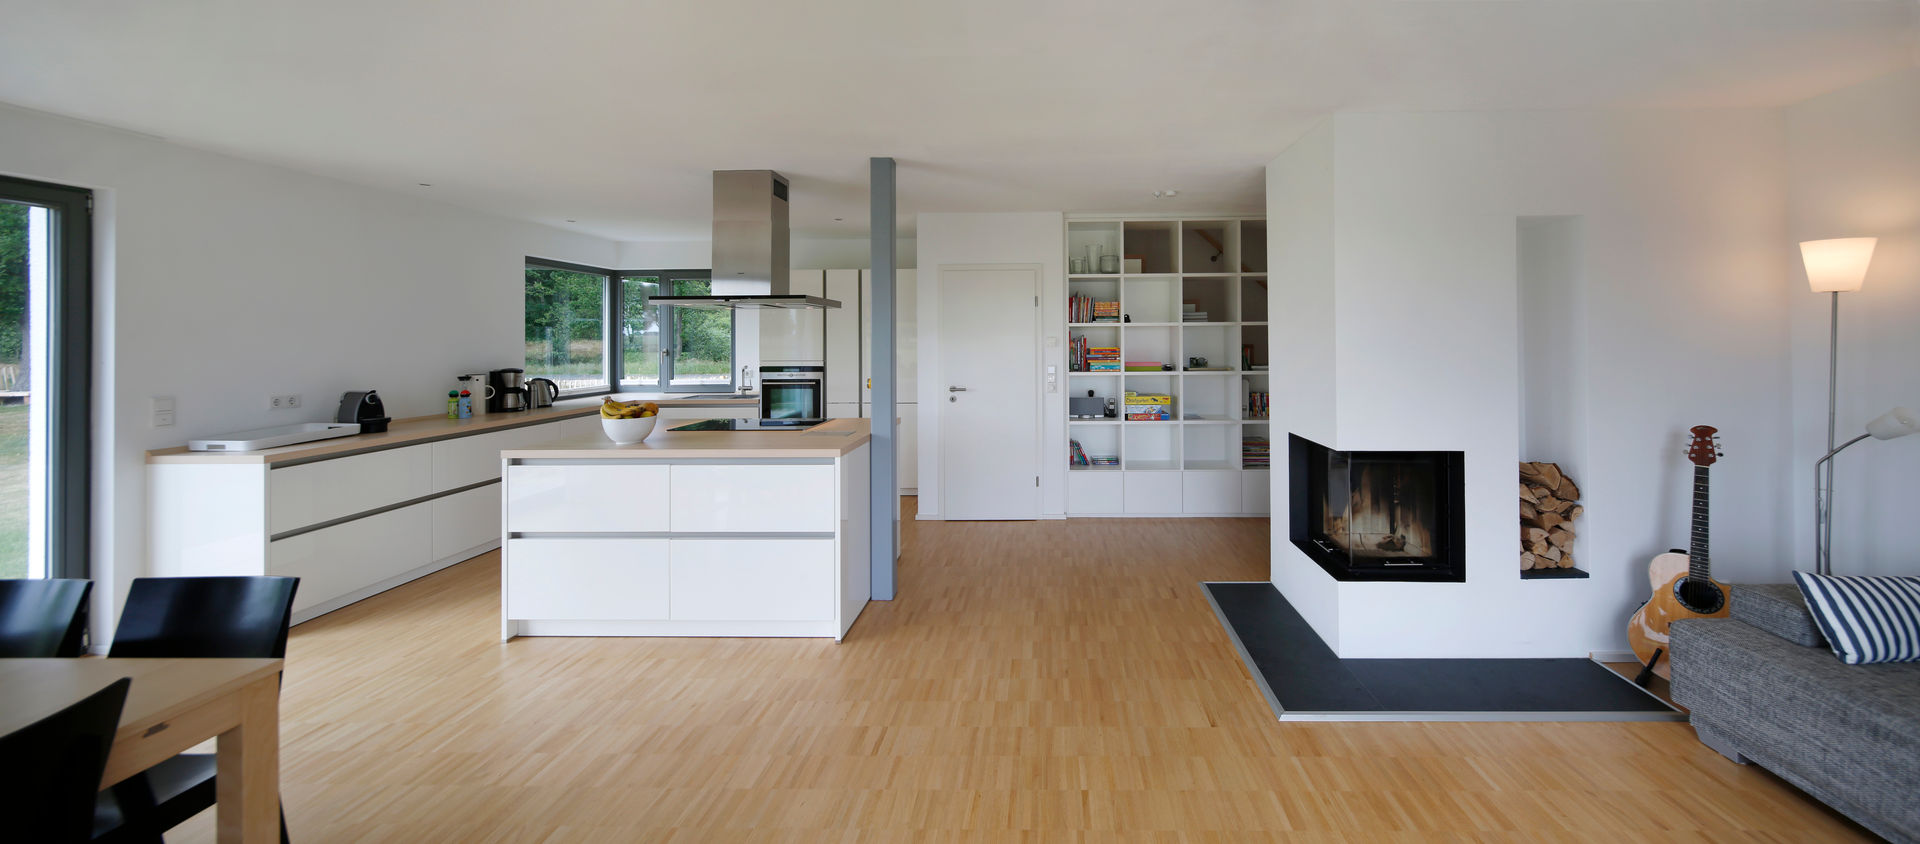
(51, 772)
(205, 617)
(42, 617)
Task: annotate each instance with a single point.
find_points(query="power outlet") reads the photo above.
(293, 400)
(286, 401)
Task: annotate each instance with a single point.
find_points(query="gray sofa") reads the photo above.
(1763, 686)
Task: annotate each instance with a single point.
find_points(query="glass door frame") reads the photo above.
(68, 370)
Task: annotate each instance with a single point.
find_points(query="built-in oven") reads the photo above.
(793, 392)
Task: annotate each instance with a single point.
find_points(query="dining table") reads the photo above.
(173, 705)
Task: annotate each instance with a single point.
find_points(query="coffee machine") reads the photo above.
(509, 388)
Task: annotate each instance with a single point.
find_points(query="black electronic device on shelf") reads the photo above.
(364, 407)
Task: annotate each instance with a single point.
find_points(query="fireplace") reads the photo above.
(1378, 515)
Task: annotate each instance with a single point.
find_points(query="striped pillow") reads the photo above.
(1866, 619)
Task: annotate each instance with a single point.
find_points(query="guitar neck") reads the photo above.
(1698, 560)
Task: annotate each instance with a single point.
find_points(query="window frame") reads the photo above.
(69, 477)
(613, 340)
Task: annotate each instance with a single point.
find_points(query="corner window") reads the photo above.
(589, 328)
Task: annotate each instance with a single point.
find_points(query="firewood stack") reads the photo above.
(1549, 502)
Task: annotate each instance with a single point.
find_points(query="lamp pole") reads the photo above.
(1823, 479)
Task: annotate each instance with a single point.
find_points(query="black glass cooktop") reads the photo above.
(749, 425)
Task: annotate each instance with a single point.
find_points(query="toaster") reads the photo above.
(364, 407)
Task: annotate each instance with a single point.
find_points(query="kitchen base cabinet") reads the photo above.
(347, 562)
(350, 525)
(753, 580)
(1256, 491)
(588, 579)
(748, 540)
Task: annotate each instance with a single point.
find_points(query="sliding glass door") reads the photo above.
(45, 378)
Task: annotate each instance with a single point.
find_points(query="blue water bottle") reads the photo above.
(466, 404)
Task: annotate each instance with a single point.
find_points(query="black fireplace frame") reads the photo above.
(1450, 559)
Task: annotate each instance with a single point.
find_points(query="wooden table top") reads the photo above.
(32, 689)
(833, 438)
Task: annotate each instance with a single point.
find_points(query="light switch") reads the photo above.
(163, 419)
(161, 409)
(1053, 341)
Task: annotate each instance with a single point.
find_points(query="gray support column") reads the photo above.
(883, 409)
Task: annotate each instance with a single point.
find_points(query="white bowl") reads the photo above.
(628, 431)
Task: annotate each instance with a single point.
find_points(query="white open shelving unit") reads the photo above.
(1192, 464)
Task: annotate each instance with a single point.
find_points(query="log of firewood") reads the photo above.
(1561, 538)
(1549, 520)
(1567, 490)
(1526, 494)
(1537, 534)
(1527, 511)
(1550, 474)
(1575, 512)
(1566, 560)
(1526, 560)
(1553, 505)
(1551, 553)
(1538, 547)
(1529, 471)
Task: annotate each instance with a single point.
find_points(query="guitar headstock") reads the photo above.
(1704, 448)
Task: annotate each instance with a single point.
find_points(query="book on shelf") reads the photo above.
(1148, 398)
(1088, 309)
(1161, 416)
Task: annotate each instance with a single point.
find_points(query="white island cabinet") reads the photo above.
(690, 533)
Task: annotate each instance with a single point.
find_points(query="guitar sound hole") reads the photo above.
(1702, 596)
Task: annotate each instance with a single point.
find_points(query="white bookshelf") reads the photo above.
(1191, 465)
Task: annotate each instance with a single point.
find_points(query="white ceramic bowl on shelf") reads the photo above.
(628, 431)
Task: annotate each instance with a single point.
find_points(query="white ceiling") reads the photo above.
(613, 112)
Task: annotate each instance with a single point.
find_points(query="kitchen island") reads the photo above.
(689, 533)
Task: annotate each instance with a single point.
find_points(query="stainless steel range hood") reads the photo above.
(749, 246)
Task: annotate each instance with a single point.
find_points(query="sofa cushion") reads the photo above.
(1778, 609)
(1848, 734)
(1866, 619)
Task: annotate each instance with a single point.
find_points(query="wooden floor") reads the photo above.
(1039, 681)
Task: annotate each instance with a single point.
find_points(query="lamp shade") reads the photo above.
(1837, 265)
(1897, 422)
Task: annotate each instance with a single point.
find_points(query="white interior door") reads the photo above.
(989, 401)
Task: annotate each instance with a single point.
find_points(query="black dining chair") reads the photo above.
(195, 618)
(43, 617)
(50, 770)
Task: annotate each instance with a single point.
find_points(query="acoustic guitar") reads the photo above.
(1683, 584)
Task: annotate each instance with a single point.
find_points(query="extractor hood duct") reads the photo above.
(750, 240)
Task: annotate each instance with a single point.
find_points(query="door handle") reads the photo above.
(956, 389)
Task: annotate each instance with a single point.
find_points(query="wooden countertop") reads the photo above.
(422, 429)
(834, 438)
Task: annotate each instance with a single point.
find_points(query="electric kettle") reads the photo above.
(541, 392)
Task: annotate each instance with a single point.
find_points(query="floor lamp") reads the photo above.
(1834, 267)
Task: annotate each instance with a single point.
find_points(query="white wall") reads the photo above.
(1853, 170)
(1683, 224)
(1009, 238)
(221, 281)
(804, 253)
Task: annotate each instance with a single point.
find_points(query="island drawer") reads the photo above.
(755, 498)
(753, 579)
(583, 579)
(611, 498)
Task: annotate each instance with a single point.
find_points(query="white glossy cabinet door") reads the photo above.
(796, 336)
(610, 498)
(334, 561)
(753, 579)
(843, 410)
(907, 465)
(1256, 491)
(465, 520)
(1095, 492)
(310, 493)
(753, 499)
(1152, 493)
(905, 336)
(843, 338)
(587, 579)
(1211, 491)
(470, 460)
